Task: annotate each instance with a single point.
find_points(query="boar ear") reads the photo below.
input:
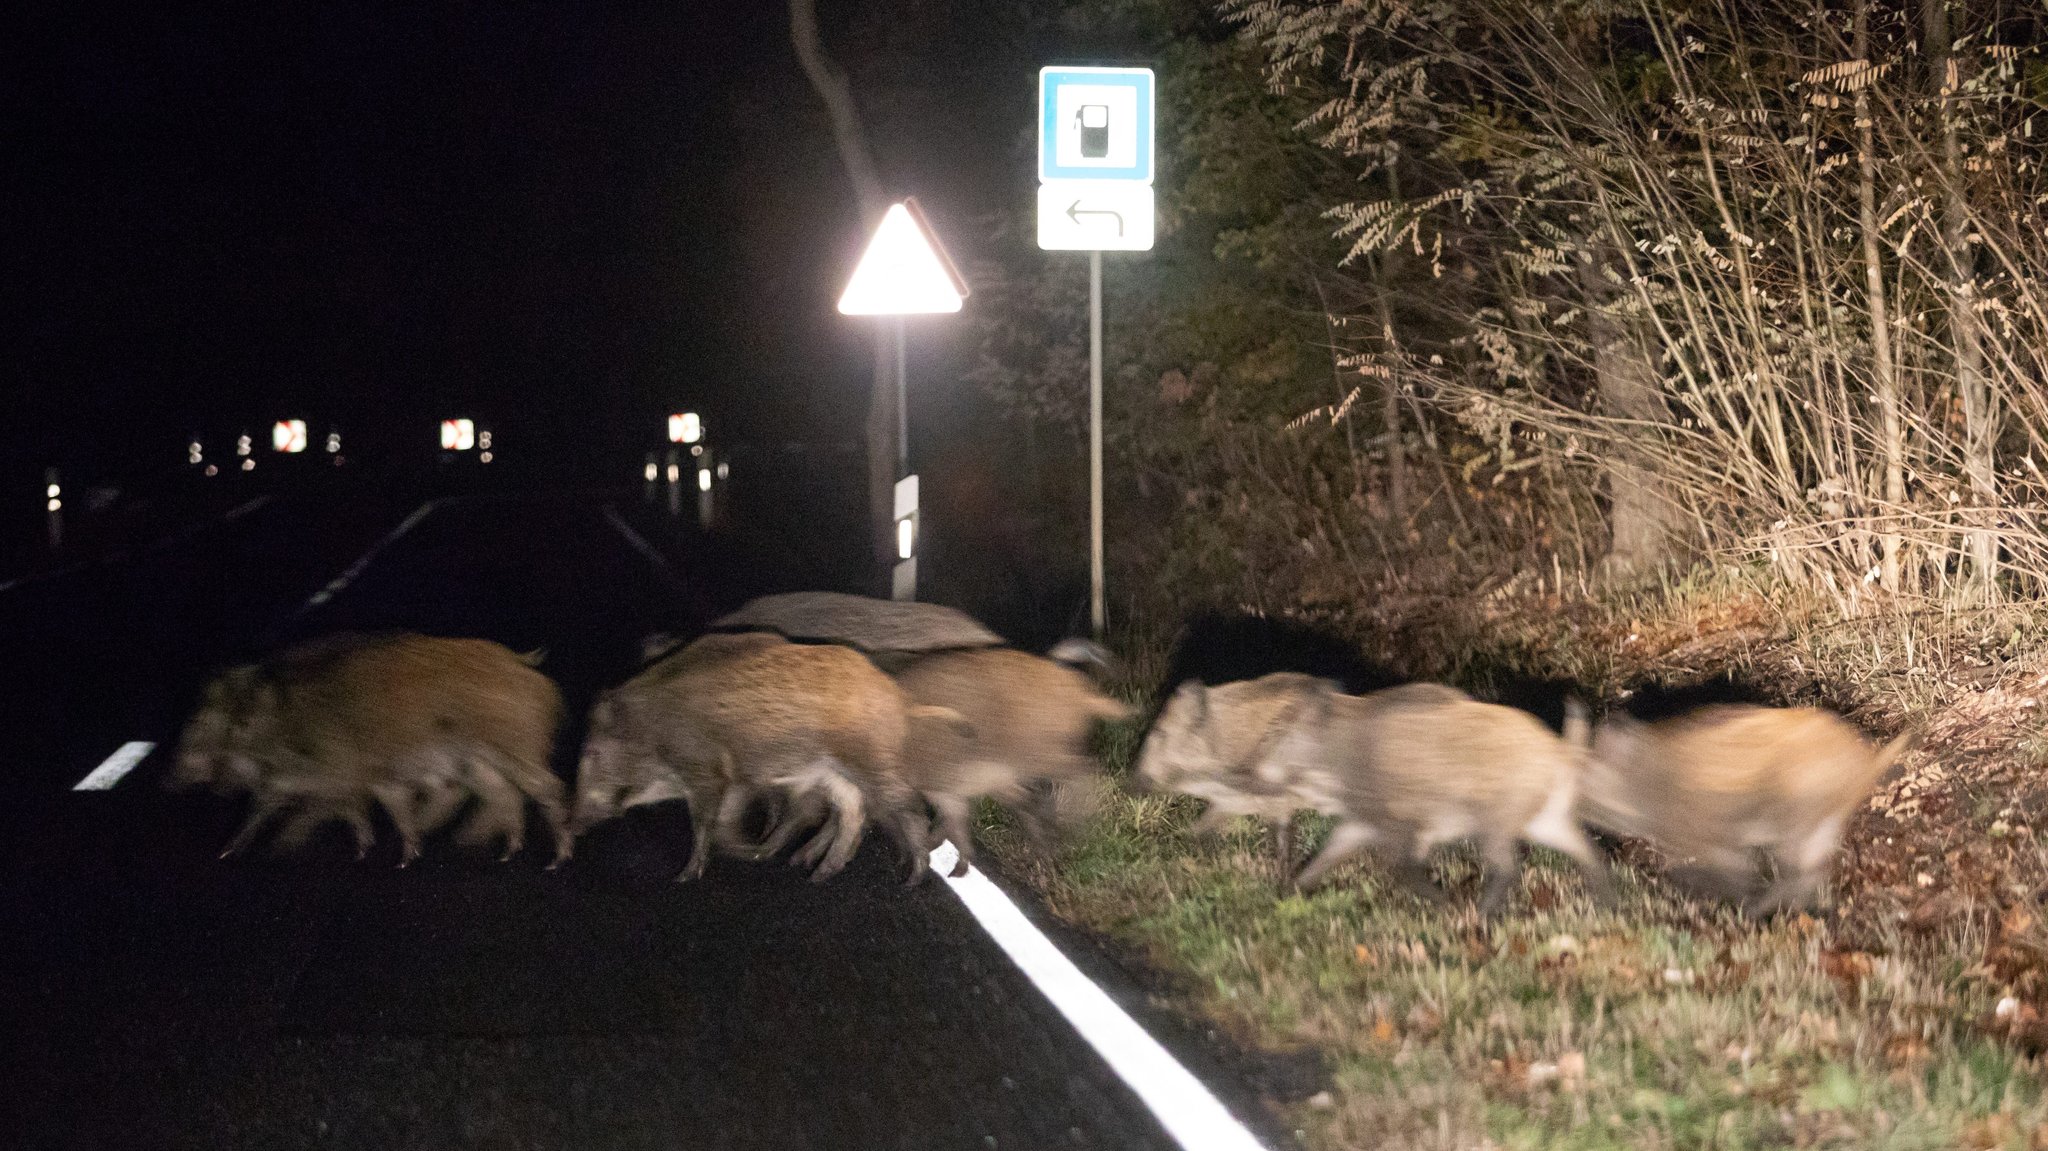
(1196, 695)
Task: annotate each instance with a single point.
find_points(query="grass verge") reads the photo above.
(1913, 1015)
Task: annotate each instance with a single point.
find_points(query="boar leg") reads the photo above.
(801, 813)
(438, 807)
(500, 812)
(265, 804)
(902, 816)
(705, 801)
(535, 782)
(849, 821)
(1563, 834)
(815, 847)
(305, 821)
(1719, 873)
(1039, 813)
(732, 807)
(396, 799)
(956, 824)
(1346, 840)
(1800, 876)
(1407, 861)
(298, 830)
(1503, 865)
(1283, 845)
(1213, 823)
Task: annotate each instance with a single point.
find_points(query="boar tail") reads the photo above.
(1083, 655)
(1887, 763)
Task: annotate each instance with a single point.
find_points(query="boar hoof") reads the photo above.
(959, 868)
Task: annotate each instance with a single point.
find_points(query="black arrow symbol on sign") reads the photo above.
(1075, 211)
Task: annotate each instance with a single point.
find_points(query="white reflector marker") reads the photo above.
(119, 764)
(1193, 1116)
(904, 272)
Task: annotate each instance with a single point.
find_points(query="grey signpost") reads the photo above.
(1095, 147)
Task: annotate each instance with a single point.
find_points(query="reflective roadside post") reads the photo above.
(903, 585)
(904, 272)
(53, 505)
(704, 490)
(652, 473)
(675, 483)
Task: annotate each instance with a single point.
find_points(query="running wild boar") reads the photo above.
(1013, 726)
(1717, 784)
(415, 722)
(1208, 742)
(741, 719)
(1402, 770)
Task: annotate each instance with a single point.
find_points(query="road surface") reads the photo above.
(152, 996)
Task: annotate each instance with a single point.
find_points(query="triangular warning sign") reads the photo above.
(905, 270)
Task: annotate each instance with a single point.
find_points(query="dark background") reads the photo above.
(563, 220)
(566, 219)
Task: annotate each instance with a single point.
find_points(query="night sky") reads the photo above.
(563, 218)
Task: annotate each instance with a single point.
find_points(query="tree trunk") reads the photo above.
(1980, 417)
(830, 84)
(1884, 373)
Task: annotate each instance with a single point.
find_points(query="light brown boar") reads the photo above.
(1405, 770)
(1724, 781)
(1209, 741)
(755, 718)
(226, 745)
(1018, 724)
(415, 722)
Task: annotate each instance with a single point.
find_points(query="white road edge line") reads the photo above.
(121, 556)
(1195, 1118)
(638, 541)
(117, 765)
(340, 583)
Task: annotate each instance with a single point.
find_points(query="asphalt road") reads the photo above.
(152, 996)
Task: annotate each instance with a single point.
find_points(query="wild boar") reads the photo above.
(753, 718)
(1723, 781)
(1208, 742)
(415, 722)
(712, 646)
(1013, 725)
(1404, 770)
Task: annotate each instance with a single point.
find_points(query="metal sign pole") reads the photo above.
(1096, 609)
(902, 409)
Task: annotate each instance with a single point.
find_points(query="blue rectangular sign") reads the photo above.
(1095, 124)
